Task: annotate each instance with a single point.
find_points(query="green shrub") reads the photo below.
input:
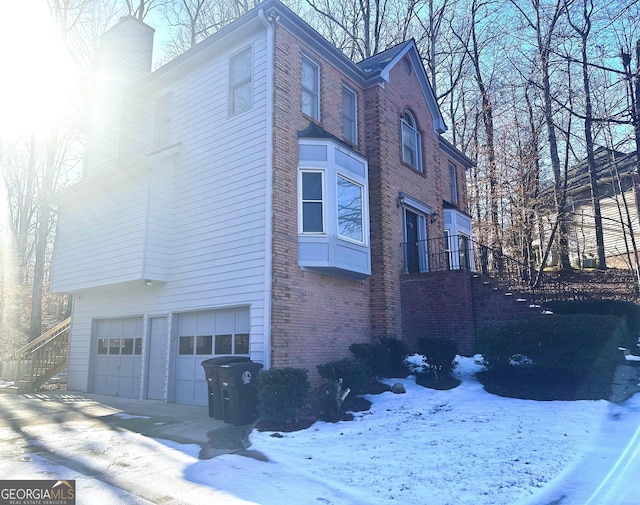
(351, 371)
(398, 351)
(374, 356)
(558, 344)
(440, 354)
(281, 392)
(627, 311)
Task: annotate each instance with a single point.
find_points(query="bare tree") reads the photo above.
(583, 31)
(543, 21)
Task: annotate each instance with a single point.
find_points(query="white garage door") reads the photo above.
(203, 335)
(118, 357)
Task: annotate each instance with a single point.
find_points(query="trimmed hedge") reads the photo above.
(629, 312)
(574, 344)
(281, 392)
(374, 356)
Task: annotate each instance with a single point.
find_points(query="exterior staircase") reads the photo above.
(41, 359)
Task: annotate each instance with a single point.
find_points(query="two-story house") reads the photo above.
(260, 195)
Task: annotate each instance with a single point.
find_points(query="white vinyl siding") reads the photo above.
(162, 121)
(205, 219)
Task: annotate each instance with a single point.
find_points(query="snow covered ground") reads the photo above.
(462, 446)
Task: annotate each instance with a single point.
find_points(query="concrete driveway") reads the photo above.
(108, 445)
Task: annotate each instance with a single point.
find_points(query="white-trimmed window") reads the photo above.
(311, 189)
(453, 181)
(349, 115)
(162, 125)
(333, 209)
(411, 142)
(350, 209)
(310, 88)
(241, 82)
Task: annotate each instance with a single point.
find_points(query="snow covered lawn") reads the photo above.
(424, 447)
(462, 446)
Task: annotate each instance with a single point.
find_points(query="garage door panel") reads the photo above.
(184, 391)
(184, 369)
(113, 385)
(199, 334)
(119, 371)
(113, 365)
(127, 367)
(101, 365)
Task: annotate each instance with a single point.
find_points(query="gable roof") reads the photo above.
(608, 161)
(379, 66)
(370, 72)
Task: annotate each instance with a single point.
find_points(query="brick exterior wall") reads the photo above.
(439, 304)
(454, 304)
(314, 317)
(388, 177)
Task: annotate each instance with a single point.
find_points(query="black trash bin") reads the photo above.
(211, 368)
(239, 395)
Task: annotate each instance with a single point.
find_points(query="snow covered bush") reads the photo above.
(398, 351)
(440, 354)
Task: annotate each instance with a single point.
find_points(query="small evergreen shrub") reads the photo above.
(374, 356)
(281, 392)
(440, 354)
(398, 351)
(352, 372)
(573, 345)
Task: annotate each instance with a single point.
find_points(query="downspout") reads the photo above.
(268, 225)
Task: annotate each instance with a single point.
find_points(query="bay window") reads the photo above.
(333, 209)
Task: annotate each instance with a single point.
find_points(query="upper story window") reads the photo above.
(162, 126)
(240, 82)
(411, 142)
(453, 181)
(349, 115)
(310, 88)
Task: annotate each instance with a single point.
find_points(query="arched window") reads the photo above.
(411, 142)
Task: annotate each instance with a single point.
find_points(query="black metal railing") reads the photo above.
(459, 252)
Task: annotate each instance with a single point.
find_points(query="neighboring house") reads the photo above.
(251, 197)
(618, 187)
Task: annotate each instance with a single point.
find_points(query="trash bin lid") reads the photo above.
(221, 360)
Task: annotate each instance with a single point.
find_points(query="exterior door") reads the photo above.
(157, 358)
(415, 234)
